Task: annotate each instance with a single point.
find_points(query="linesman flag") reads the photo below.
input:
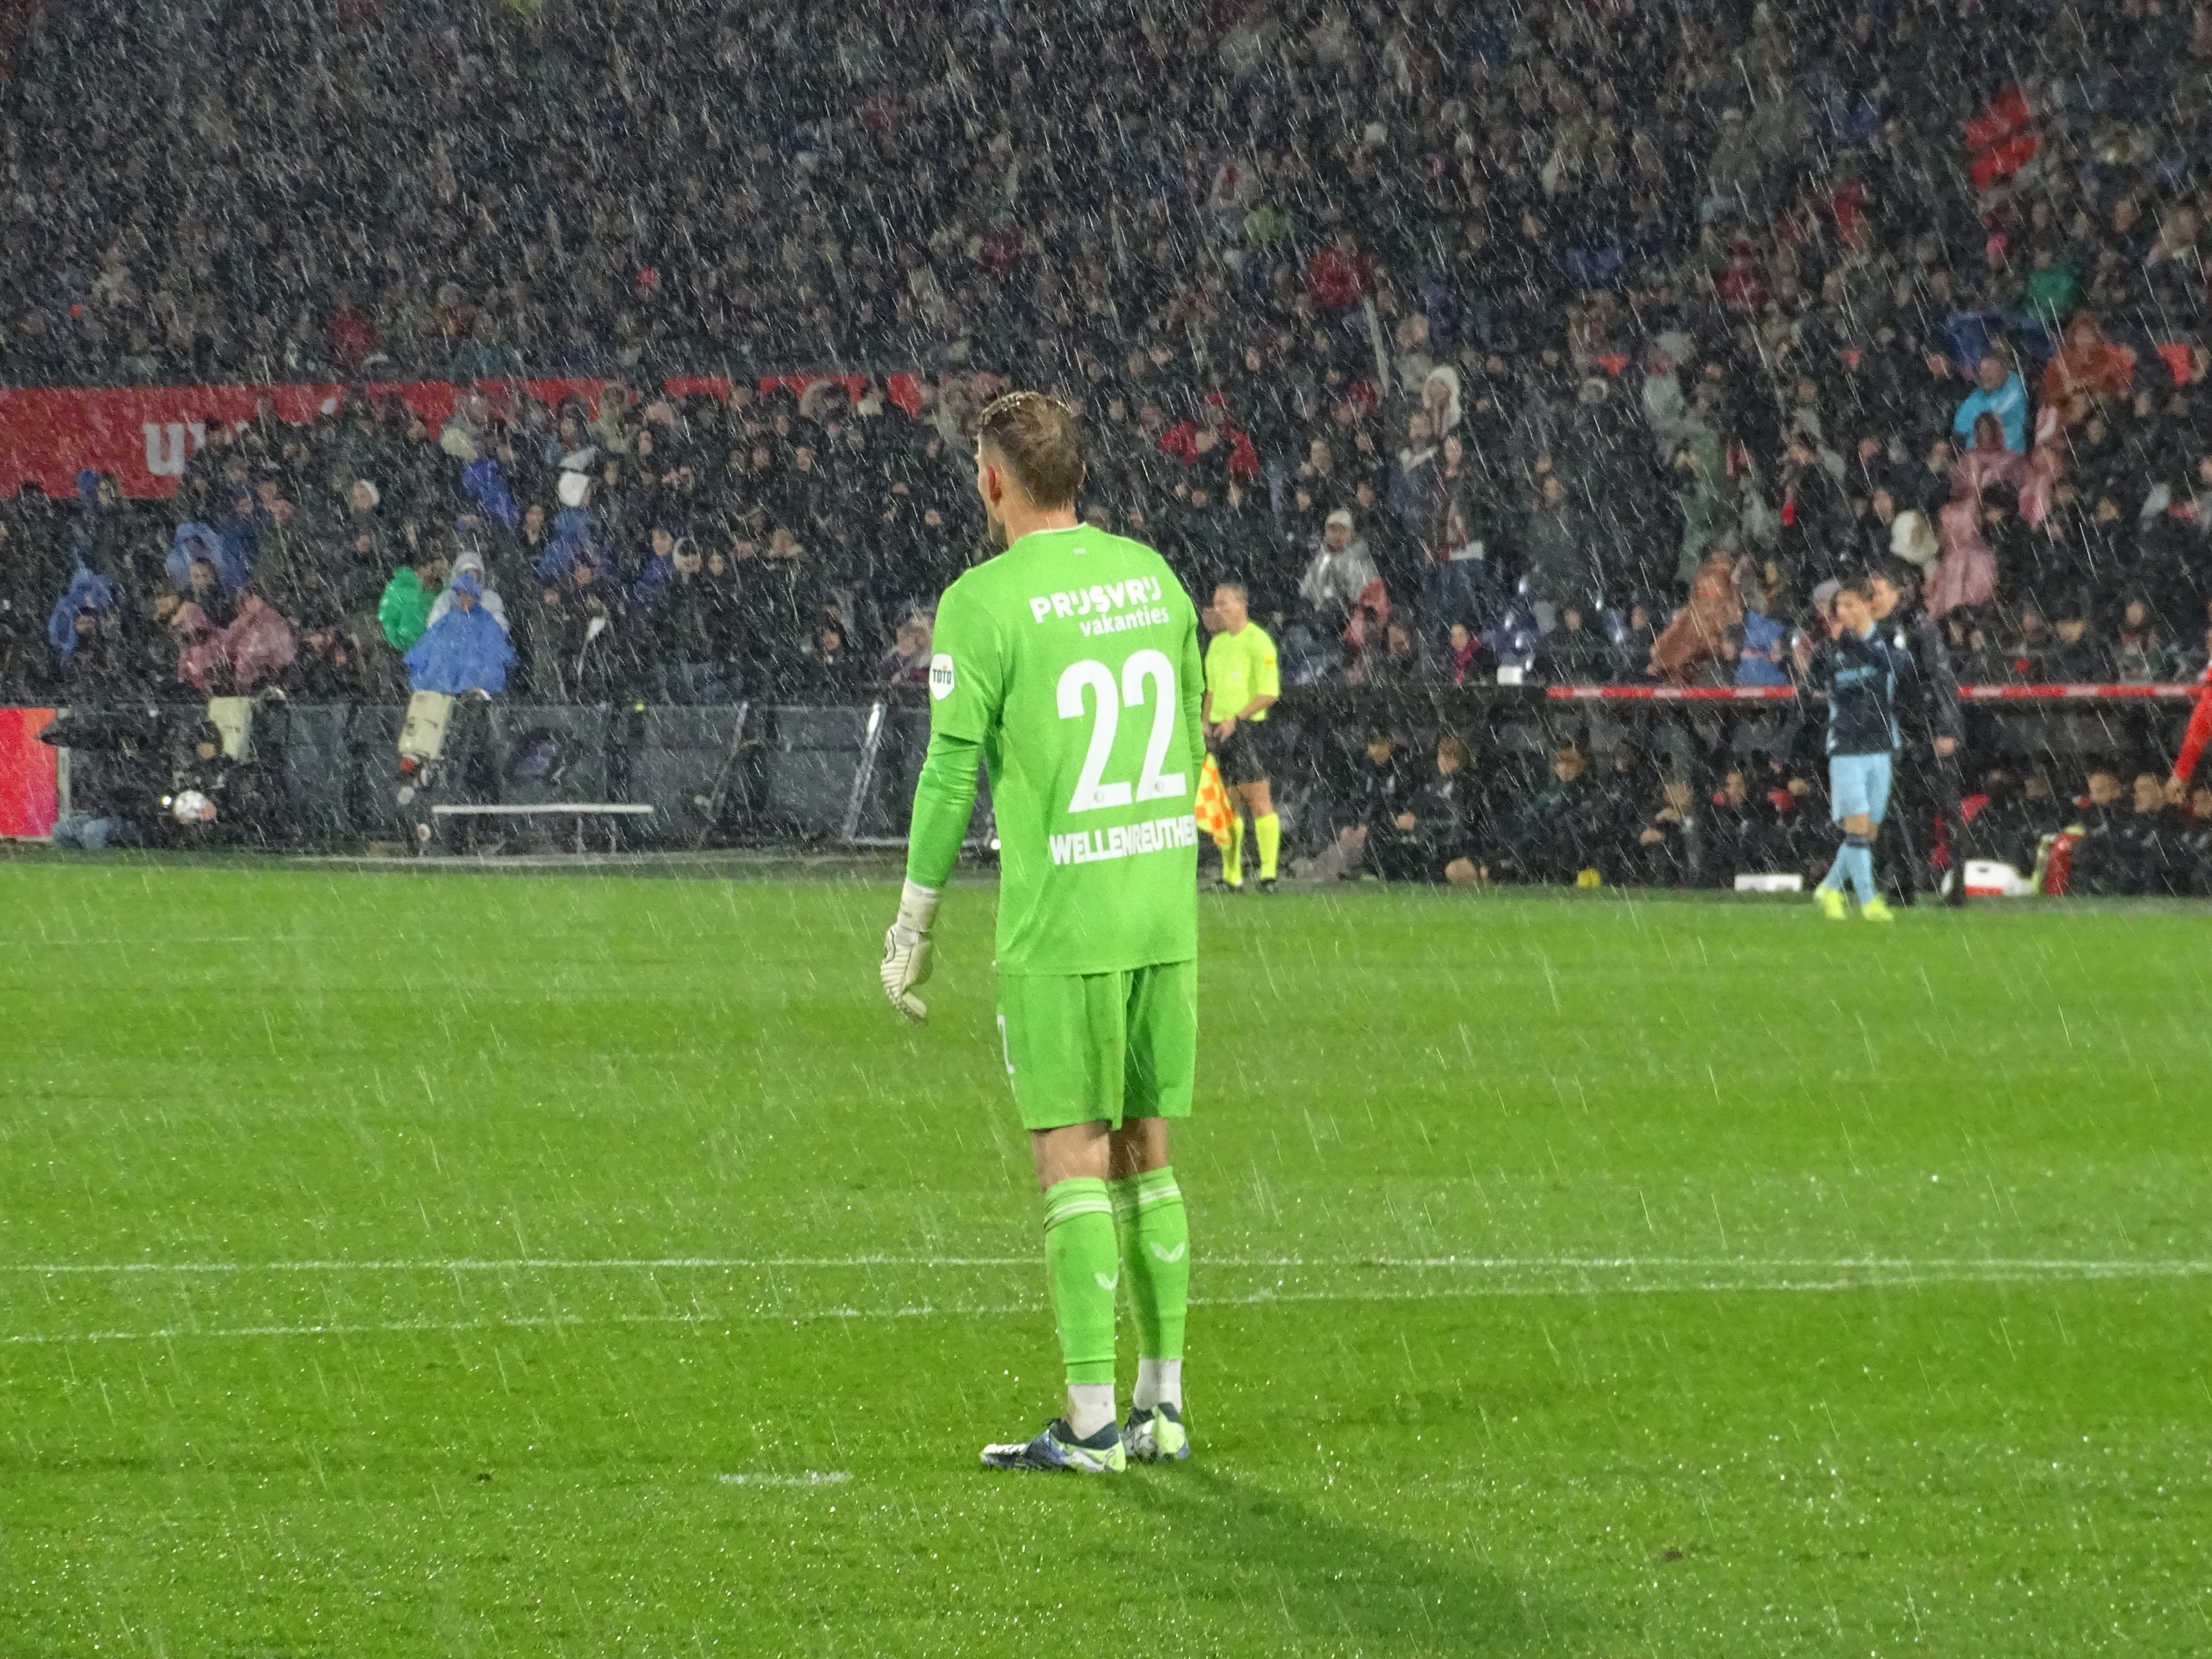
(1215, 815)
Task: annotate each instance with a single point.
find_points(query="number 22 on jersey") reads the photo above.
(1109, 698)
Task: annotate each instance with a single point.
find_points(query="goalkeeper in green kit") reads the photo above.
(1068, 666)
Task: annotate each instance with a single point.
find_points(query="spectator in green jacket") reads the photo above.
(2053, 290)
(404, 612)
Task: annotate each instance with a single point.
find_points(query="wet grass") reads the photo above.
(582, 1266)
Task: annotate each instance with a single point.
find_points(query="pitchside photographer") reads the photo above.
(212, 800)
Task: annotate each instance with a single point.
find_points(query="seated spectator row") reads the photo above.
(1438, 806)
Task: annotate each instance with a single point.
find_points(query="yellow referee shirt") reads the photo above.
(1239, 667)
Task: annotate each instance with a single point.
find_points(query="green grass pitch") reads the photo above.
(412, 1264)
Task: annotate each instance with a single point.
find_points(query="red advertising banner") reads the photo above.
(145, 435)
(27, 773)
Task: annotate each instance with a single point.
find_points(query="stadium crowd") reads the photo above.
(1584, 340)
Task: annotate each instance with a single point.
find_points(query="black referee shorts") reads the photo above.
(1243, 755)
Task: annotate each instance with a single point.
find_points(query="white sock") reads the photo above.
(1159, 1383)
(1089, 1408)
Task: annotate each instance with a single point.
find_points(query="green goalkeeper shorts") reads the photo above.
(1098, 1048)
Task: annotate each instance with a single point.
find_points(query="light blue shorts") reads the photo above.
(1858, 783)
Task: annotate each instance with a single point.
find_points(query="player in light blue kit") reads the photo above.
(1860, 671)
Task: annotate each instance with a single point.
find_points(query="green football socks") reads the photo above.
(1232, 855)
(1268, 832)
(1094, 1233)
(1081, 1261)
(1155, 1255)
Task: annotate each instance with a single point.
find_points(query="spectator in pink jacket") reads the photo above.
(1967, 573)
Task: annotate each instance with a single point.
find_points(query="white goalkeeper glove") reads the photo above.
(907, 951)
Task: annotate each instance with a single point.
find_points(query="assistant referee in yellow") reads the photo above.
(1241, 683)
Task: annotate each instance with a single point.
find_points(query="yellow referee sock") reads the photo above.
(1269, 831)
(1232, 855)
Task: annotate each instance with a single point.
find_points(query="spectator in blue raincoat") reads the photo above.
(250, 519)
(464, 650)
(197, 541)
(89, 594)
(571, 525)
(1766, 647)
(470, 563)
(659, 565)
(1998, 391)
(487, 486)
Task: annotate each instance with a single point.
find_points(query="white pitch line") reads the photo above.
(1916, 1280)
(518, 1322)
(167, 941)
(2060, 1265)
(522, 1264)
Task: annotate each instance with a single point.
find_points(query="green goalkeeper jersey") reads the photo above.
(1071, 659)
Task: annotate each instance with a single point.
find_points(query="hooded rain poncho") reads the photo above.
(463, 651)
(86, 592)
(197, 541)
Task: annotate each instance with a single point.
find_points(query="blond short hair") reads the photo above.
(1040, 441)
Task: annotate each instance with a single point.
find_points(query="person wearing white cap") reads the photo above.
(1339, 571)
